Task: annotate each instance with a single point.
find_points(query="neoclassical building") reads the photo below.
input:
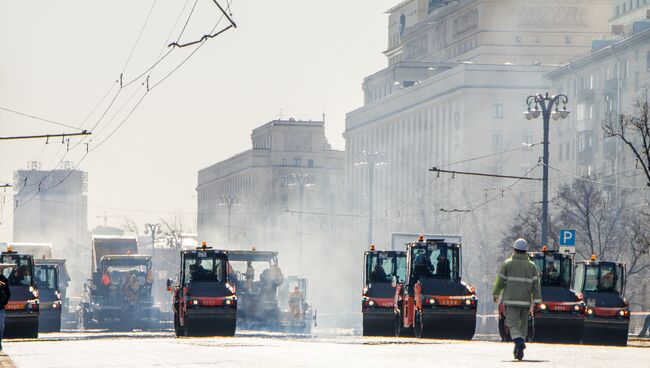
(260, 191)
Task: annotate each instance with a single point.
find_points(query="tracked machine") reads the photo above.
(607, 317)
(433, 301)
(293, 299)
(204, 300)
(118, 296)
(383, 270)
(560, 317)
(22, 311)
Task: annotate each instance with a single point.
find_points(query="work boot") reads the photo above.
(519, 348)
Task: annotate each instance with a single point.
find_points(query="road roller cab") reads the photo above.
(22, 311)
(602, 285)
(204, 301)
(50, 306)
(434, 301)
(561, 314)
(383, 271)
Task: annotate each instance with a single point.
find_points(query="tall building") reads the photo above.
(50, 206)
(261, 196)
(452, 97)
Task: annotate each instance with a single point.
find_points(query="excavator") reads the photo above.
(382, 272)
(602, 285)
(433, 301)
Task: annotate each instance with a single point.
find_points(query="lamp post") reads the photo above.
(153, 229)
(371, 160)
(548, 107)
(301, 181)
(229, 200)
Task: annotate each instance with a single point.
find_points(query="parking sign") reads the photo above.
(568, 237)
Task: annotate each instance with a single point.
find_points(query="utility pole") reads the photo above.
(153, 229)
(544, 105)
(229, 200)
(302, 181)
(371, 160)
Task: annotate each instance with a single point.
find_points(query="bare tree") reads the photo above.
(634, 131)
(596, 215)
(527, 225)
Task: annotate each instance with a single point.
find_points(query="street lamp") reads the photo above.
(229, 200)
(371, 160)
(301, 181)
(153, 229)
(548, 107)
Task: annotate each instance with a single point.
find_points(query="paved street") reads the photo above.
(260, 350)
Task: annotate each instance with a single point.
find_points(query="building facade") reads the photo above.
(51, 206)
(452, 97)
(261, 196)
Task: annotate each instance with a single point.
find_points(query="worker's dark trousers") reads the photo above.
(517, 321)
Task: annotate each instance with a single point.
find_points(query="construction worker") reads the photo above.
(249, 276)
(378, 274)
(518, 285)
(5, 294)
(295, 299)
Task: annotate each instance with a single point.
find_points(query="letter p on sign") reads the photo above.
(568, 237)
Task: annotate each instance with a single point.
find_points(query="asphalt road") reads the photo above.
(161, 349)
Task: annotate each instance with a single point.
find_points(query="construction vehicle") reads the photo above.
(295, 309)
(52, 279)
(50, 302)
(118, 296)
(204, 301)
(602, 285)
(433, 301)
(560, 317)
(22, 311)
(383, 270)
(258, 277)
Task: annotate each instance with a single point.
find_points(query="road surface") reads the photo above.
(272, 350)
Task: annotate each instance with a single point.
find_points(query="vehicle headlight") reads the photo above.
(621, 313)
(577, 308)
(590, 311)
(542, 306)
(195, 302)
(55, 305)
(432, 301)
(468, 301)
(228, 302)
(371, 303)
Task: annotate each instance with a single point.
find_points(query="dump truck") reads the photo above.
(433, 301)
(52, 279)
(204, 300)
(383, 270)
(258, 277)
(118, 296)
(602, 286)
(560, 317)
(22, 311)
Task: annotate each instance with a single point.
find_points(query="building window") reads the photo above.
(517, 38)
(497, 110)
(284, 162)
(567, 40)
(310, 163)
(538, 39)
(497, 141)
(297, 162)
(618, 9)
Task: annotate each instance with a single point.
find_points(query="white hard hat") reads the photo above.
(521, 245)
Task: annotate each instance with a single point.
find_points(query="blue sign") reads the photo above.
(568, 237)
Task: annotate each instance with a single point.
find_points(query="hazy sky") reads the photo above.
(58, 59)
